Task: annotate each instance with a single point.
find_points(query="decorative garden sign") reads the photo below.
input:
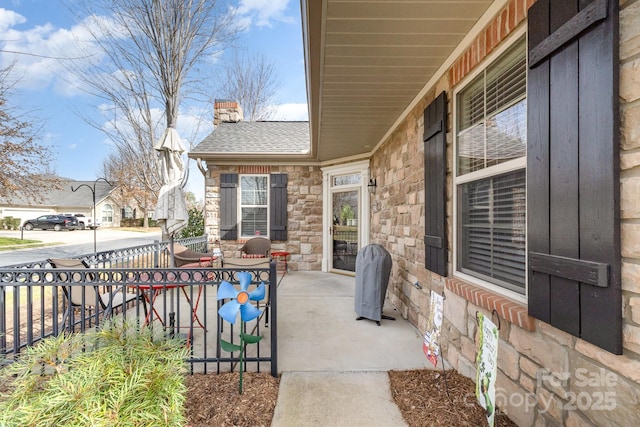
(486, 363)
(431, 344)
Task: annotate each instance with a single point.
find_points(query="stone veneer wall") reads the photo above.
(534, 357)
(304, 213)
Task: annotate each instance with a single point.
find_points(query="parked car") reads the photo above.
(85, 222)
(55, 222)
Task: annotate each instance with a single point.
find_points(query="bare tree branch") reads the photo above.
(35, 55)
(153, 56)
(26, 163)
(250, 80)
(166, 39)
(117, 169)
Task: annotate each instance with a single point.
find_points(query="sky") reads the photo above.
(46, 31)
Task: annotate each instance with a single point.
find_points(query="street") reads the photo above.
(65, 244)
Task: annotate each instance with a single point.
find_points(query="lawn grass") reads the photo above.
(12, 243)
(9, 241)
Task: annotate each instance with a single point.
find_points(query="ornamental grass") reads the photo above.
(120, 375)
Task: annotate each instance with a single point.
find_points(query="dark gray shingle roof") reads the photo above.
(257, 137)
(64, 197)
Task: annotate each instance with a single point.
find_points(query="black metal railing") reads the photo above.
(40, 302)
(144, 256)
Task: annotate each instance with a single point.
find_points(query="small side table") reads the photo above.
(281, 257)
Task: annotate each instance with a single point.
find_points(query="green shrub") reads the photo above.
(132, 222)
(137, 222)
(120, 375)
(10, 223)
(195, 227)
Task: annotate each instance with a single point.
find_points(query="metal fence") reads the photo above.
(150, 255)
(38, 301)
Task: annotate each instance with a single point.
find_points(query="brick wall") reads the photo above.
(545, 376)
(304, 213)
(512, 15)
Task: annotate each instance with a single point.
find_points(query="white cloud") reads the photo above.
(44, 53)
(263, 12)
(9, 18)
(50, 136)
(290, 112)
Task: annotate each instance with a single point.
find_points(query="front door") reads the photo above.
(345, 207)
(346, 215)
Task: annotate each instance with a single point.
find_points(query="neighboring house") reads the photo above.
(258, 168)
(500, 141)
(108, 212)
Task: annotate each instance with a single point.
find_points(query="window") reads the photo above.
(128, 212)
(491, 137)
(254, 205)
(107, 213)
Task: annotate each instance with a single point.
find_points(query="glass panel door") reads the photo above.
(346, 215)
(345, 209)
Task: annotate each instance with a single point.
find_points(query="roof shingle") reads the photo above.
(257, 137)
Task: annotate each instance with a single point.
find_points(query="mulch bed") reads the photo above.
(425, 398)
(437, 398)
(213, 400)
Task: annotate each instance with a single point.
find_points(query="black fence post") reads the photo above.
(273, 297)
(156, 254)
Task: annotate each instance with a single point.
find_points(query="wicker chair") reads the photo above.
(256, 247)
(183, 255)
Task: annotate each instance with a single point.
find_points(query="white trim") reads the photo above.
(508, 166)
(346, 168)
(500, 168)
(103, 210)
(361, 168)
(240, 205)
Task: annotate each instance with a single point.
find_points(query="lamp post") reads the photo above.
(93, 193)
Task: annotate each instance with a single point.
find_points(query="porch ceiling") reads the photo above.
(366, 60)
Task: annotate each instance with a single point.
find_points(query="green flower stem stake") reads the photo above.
(239, 301)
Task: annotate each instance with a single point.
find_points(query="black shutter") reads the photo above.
(228, 206)
(278, 222)
(435, 174)
(572, 169)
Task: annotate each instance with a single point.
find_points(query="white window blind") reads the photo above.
(254, 191)
(492, 114)
(492, 219)
(491, 203)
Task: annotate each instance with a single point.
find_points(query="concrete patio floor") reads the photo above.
(333, 368)
(318, 331)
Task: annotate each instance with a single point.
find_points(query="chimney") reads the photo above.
(226, 111)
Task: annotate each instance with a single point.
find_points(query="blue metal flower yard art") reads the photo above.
(240, 301)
